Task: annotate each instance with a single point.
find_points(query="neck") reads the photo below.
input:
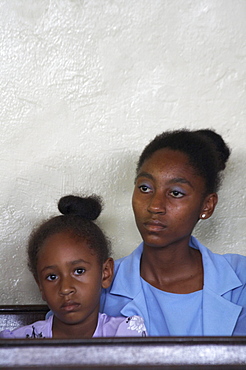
(61, 330)
(175, 269)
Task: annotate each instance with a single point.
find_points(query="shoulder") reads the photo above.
(235, 260)
(238, 264)
(225, 270)
(127, 270)
(130, 260)
(39, 329)
(122, 326)
(6, 334)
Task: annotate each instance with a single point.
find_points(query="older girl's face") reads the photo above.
(168, 199)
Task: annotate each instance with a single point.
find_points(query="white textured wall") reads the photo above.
(86, 84)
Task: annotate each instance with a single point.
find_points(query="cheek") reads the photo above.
(137, 205)
(134, 206)
(137, 212)
(187, 217)
(43, 295)
(133, 199)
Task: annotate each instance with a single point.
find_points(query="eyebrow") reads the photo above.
(71, 263)
(175, 180)
(144, 174)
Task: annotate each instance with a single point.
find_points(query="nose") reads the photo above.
(66, 286)
(157, 204)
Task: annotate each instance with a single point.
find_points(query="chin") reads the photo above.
(154, 245)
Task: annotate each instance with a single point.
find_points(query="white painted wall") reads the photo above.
(85, 85)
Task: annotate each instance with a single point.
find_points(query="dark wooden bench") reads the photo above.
(184, 353)
(187, 353)
(13, 316)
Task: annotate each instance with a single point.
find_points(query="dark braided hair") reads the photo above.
(206, 150)
(77, 218)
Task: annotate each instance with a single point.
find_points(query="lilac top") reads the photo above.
(107, 326)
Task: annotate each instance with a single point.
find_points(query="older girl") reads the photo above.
(174, 282)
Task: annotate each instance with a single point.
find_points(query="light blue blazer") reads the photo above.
(224, 292)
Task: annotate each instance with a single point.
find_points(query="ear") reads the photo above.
(41, 289)
(209, 205)
(107, 272)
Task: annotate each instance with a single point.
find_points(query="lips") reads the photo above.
(154, 226)
(70, 306)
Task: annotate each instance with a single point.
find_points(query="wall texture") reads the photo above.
(86, 84)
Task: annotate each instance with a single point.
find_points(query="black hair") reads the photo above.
(77, 218)
(206, 150)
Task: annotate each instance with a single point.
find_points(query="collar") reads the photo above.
(127, 271)
(219, 276)
(219, 314)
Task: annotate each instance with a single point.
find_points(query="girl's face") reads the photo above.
(70, 279)
(168, 199)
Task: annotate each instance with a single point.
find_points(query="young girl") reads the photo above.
(68, 256)
(180, 287)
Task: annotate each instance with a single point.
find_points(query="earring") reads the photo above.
(203, 215)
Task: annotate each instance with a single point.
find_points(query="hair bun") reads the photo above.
(87, 207)
(221, 147)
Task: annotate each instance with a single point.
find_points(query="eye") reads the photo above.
(51, 277)
(144, 188)
(79, 271)
(177, 194)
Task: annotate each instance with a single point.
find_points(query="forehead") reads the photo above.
(164, 158)
(65, 245)
(171, 165)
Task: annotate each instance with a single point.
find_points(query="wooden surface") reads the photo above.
(126, 353)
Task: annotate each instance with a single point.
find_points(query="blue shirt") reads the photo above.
(179, 314)
(223, 303)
